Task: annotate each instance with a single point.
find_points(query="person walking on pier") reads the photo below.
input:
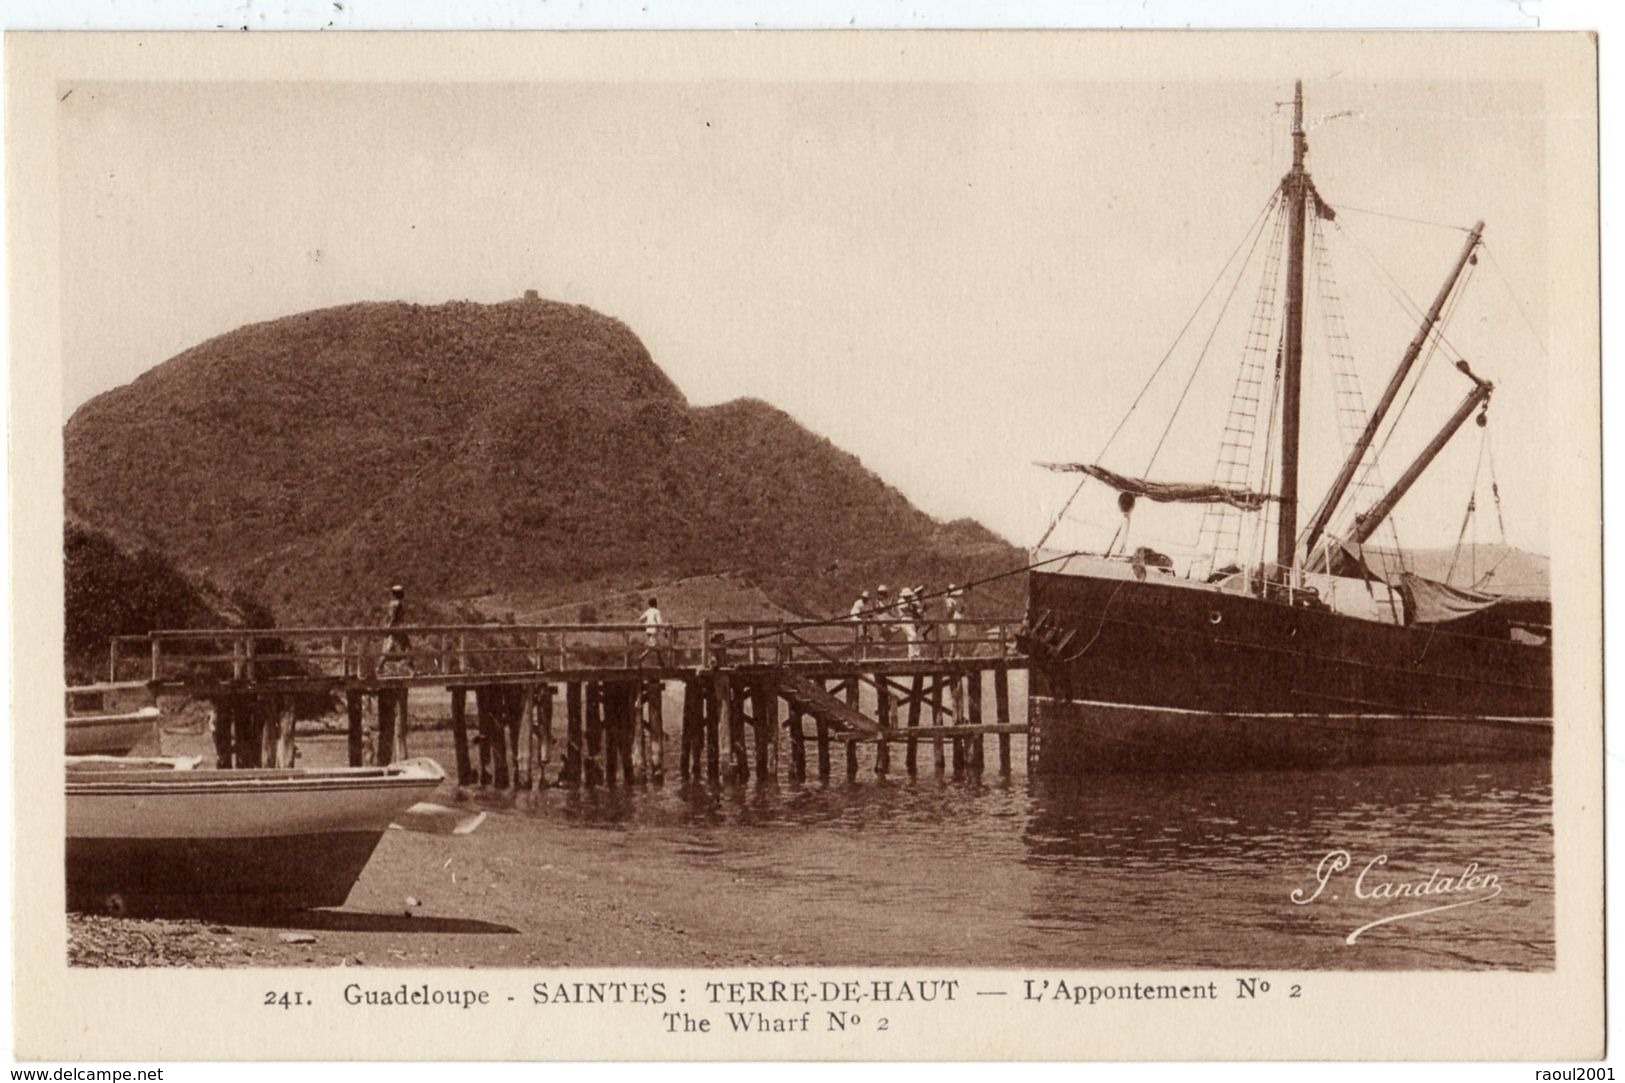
(653, 624)
(883, 614)
(398, 643)
(914, 621)
(954, 603)
(860, 615)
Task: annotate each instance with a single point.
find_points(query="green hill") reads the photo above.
(530, 450)
(115, 587)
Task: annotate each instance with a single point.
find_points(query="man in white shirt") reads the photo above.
(398, 644)
(860, 614)
(954, 601)
(652, 622)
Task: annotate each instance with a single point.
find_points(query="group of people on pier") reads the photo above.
(882, 618)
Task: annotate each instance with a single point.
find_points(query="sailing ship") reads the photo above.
(1316, 657)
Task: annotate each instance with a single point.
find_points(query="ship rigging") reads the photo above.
(1323, 648)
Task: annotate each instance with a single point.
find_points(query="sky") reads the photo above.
(948, 280)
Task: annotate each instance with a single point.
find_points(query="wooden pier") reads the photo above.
(587, 704)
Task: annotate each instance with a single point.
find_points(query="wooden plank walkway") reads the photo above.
(745, 688)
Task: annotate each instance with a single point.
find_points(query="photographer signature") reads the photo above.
(1472, 885)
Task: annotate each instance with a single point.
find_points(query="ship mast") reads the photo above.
(1295, 188)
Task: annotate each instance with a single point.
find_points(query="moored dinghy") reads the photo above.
(109, 719)
(155, 836)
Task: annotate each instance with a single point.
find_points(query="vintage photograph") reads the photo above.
(1049, 520)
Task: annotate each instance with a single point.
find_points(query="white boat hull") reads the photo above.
(168, 841)
(110, 734)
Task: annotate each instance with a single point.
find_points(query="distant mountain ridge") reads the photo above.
(530, 450)
(1491, 568)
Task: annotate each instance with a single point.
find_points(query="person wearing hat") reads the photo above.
(860, 614)
(397, 643)
(913, 613)
(954, 602)
(884, 612)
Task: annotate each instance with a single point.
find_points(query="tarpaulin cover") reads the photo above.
(1168, 492)
(1344, 561)
(1435, 603)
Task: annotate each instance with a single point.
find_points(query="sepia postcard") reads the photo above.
(874, 545)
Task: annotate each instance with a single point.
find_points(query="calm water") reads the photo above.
(1174, 871)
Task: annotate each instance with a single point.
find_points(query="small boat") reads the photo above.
(156, 836)
(109, 719)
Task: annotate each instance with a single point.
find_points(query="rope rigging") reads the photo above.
(1437, 343)
(1403, 218)
(1202, 356)
(1506, 284)
(1468, 518)
(1233, 465)
(1256, 227)
(1223, 530)
(1348, 398)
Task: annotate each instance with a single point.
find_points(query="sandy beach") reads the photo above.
(520, 890)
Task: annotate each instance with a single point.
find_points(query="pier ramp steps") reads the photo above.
(812, 699)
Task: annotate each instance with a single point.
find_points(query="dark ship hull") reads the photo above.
(1159, 675)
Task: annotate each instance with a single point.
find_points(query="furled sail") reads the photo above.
(1168, 492)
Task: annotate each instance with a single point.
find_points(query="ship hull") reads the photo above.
(1160, 675)
(1084, 737)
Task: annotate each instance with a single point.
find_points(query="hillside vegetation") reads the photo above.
(115, 588)
(528, 451)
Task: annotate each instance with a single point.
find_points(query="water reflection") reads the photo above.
(1116, 871)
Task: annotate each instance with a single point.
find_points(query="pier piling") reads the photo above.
(1001, 715)
(570, 773)
(956, 693)
(732, 675)
(978, 740)
(357, 744)
(386, 727)
(886, 717)
(731, 698)
(763, 708)
(459, 737)
(594, 725)
(625, 729)
(401, 751)
(712, 700)
(937, 761)
(823, 741)
(770, 689)
(545, 713)
(690, 748)
(798, 749)
(916, 693)
(531, 720)
(222, 728)
(654, 696)
(852, 688)
(614, 723)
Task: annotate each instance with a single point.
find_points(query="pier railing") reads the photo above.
(440, 654)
